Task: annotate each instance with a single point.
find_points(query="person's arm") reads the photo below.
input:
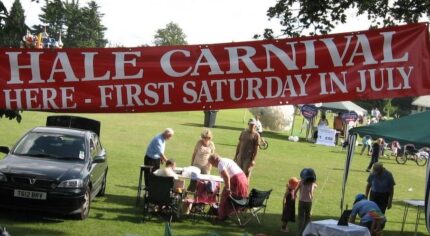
(297, 189)
(390, 198)
(163, 158)
(254, 153)
(226, 177)
(194, 153)
(368, 190)
(237, 148)
(352, 219)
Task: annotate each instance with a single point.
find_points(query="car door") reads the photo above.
(97, 168)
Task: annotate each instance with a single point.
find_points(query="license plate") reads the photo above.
(29, 194)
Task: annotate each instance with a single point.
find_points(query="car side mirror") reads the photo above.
(99, 159)
(4, 149)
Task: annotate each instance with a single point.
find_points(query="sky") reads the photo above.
(132, 23)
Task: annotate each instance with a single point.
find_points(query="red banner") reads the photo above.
(374, 64)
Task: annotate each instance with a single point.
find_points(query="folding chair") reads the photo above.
(206, 194)
(255, 203)
(160, 198)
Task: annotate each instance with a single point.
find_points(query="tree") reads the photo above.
(171, 35)
(80, 27)
(321, 16)
(15, 27)
(12, 29)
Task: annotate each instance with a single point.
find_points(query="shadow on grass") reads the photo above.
(127, 186)
(32, 216)
(132, 214)
(120, 199)
(16, 230)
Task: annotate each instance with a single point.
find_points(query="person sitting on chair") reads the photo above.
(370, 214)
(168, 170)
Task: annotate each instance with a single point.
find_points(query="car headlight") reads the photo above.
(3, 177)
(71, 183)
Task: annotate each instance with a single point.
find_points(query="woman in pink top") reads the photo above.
(235, 183)
(306, 189)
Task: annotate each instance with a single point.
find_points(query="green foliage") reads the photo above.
(14, 28)
(321, 16)
(171, 35)
(10, 114)
(80, 27)
(389, 107)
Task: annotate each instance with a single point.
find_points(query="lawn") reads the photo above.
(125, 136)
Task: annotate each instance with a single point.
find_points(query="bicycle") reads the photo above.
(410, 153)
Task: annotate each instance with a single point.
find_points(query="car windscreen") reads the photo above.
(48, 145)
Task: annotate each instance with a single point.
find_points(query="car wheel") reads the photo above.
(85, 207)
(103, 187)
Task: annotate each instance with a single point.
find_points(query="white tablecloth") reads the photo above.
(330, 228)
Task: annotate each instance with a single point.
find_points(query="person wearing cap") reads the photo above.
(289, 203)
(155, 151)
(380, 187)
(246, 150)
(368, 211)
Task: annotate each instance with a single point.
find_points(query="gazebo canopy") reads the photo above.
(343, 106)
(422, 101)
(412, 129)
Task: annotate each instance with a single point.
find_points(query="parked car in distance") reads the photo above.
(58, 168)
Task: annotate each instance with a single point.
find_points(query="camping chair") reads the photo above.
(206, 195)
(160, 198)
(255, 203)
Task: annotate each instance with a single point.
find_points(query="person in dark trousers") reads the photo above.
(380, 187)
(376, 152)
(289, 204)
(155, 151)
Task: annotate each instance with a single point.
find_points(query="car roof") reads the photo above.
(61, 130)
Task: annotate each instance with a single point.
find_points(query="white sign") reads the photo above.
(326, 136)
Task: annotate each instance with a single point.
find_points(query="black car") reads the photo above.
(58, 168)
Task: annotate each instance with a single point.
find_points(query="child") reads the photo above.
(289, 204)
(306, 189)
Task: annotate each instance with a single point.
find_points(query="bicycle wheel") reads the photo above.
(420, 160)
(263, 145)
(401, 159)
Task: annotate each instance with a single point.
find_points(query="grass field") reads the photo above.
(126, 137)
